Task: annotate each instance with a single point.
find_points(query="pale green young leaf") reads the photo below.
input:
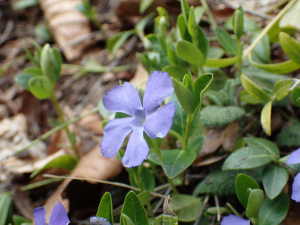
(226, 41)
(255, 200)
(219, 63)
(282, 88)
(41, 87)
(290, 46)
(265, 118)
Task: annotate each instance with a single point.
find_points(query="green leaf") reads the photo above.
(105, 208)
(195, 143)
(199, 11)
(153, 157)
(177, 72)
(242, 183)
(186, 207)
(256, 198)
(134, 209)
(249, 24)
(144, 5)
(22, 4)
(274, 180)
(184, 96)
(144, 196)
(202, 42)
(291, 19)
(265, 118)
(115, 42)
(34, 71)
(171, 54)
(272, 212)
(253, 89)
(282, 88)
(238, 22)
(147, 178)
(219, 78)
(290, 46)
(263, 144)
(247, 158)
(42, 31)
(296, 96)
(215, 52)
(41, 87)
(192, 26)
(5, 208)
(104, 113)
(218, 115)
(126, 220)
(185, 9)
(289, 135)
(61, 161)
(23, 78)
(219, 63)
(201, 84)
(176, 161)
(18, 220)
(189, 53)
(283, 68)
(226, 41)
(262, 49)
(180, 117)
(222, 183)
(182, 27)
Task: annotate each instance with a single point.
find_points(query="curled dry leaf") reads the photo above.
(94, 166)
(229, 136)
(67, 25)
(208, 160)
(212, 142)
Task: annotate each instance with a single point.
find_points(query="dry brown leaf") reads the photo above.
(93, 166)
(208, 160)
(229, 136)
(212, 142)
(67, 24)
(92, 122)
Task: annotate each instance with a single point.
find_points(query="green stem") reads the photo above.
(179, 137)
(174, 189)
(240, 56)
(209, 14)
(187, 131)
(268, 27)
(60, 114)
(233, 209)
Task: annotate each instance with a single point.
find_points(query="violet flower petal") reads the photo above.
(294, 158)
(296, 188)
(115, 132)
(159, 123)
(99, 220)
(159, 86)
(234, 220)
(123, 98)
(137, 149)
(59, 215)
(39, 215)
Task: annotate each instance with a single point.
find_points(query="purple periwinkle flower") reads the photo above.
(148, 117)
(234, 220)
(293, 159)
(58, 216)
(99, 221)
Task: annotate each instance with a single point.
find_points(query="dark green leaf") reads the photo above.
(289, 135)
(105, 208)
(147, 178)
(274, 180)
(189, 53)
(296, 96)
(195, 143)
(126, 220)
(256, 198)
(186, 207)
(226, 41)
(184, 96)
(134, 209)
(248, 158)
(242, 183)
(201, 84)
(5, 208)
(264, 144)
(218, 115)
(41, 87)
(272, 212)
(219, 78)
(176, 161)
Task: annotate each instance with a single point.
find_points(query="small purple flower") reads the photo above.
(234, 220)
(294, 159)
(99, 221)
(58, 216)
(149, 117)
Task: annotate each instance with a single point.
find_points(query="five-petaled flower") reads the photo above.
(294, 159)
(234, 220)
(146, 116)
(58, 216)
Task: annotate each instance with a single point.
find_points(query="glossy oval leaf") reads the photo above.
(264, 144)
(226, 41)
(177, 72)
(219, 63)
(255, 200)
(134, 209)
(272, 212)
(253, 89)
(176, 161)
(274, 179)
(296, 96)
(247, 158)
(184, 96)
(105, 208)
(290, 46)
(41, 87)
(282, 68)
(265, 118)
(242, 183)
(189, 53)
